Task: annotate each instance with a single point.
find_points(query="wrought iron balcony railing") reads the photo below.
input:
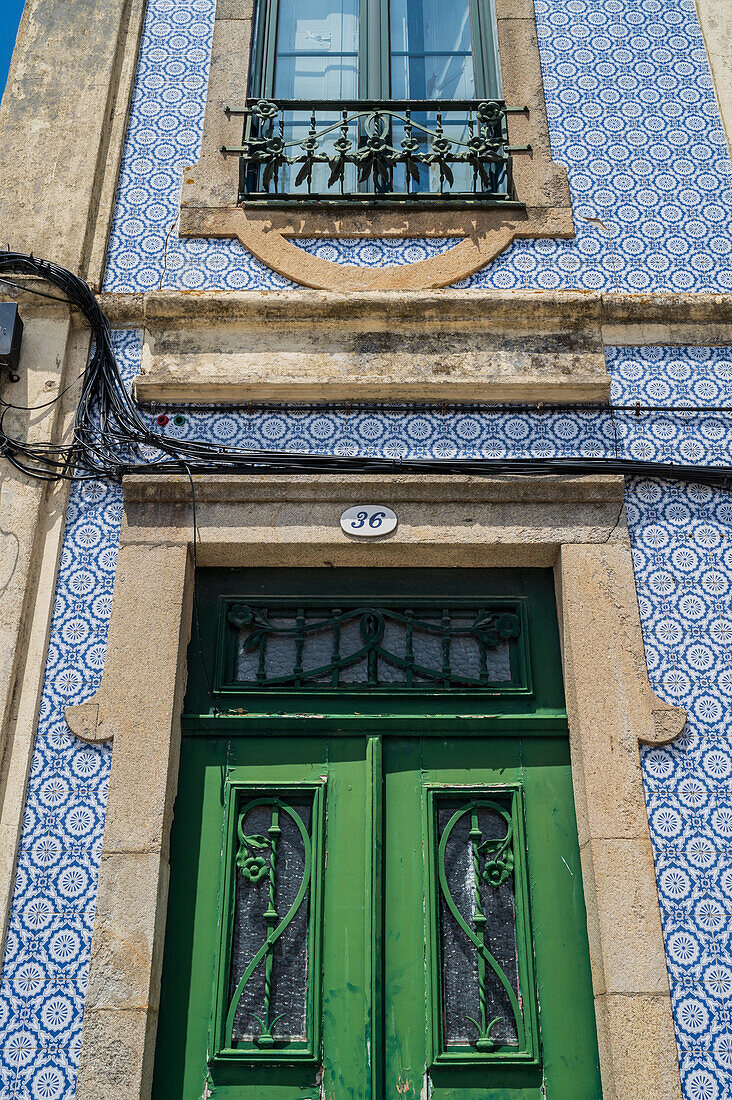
(366, 151)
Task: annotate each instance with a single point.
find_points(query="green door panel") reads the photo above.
(376, 949)
(561, 961)
(182, 1067)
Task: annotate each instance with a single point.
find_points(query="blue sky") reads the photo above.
(10, 12)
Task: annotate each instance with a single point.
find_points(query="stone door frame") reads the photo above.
(575, 525)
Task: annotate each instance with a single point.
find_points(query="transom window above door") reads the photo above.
(364, 100)
(458, 644)
(352, 641)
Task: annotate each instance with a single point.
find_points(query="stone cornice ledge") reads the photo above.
(473, 346)
(233, 489)
(443, 306)
(634, 312)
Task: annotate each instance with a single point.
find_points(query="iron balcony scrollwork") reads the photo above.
(376, 150)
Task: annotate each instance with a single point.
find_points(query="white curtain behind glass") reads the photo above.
(431, 52)
(317, 49)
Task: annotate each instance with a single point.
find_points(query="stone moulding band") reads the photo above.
(702, 315)
(436, 346)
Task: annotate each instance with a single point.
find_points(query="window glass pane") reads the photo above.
(431, 52)
(431, 58)
(437, 76)
(307, 76)
(316, 58)
(477, 896)
(317, 49)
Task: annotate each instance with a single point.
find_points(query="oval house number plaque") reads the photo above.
(368, 520)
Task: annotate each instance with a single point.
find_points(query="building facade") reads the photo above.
(289, 810)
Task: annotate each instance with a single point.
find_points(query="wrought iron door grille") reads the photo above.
(366, 151)
(451, 645)
(481, 957)
(268, 981)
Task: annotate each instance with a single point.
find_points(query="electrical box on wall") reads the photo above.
(11, 334)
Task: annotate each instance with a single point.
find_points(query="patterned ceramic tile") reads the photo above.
(47, 949)
(682, 546)
(632, 116)
(376, 253)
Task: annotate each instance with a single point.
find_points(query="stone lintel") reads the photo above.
(501, 522)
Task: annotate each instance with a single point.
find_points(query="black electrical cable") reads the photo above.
(44, 404)
(110, 437)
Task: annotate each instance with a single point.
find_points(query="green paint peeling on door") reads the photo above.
(391, 913)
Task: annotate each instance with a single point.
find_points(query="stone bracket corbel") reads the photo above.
(83, 721)
(668, 723)
(129, 697)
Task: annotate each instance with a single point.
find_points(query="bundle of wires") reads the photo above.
(111, 438)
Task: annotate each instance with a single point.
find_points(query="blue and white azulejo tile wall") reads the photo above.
(682, 546)
(633, 117)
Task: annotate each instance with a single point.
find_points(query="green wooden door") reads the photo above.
(216, 775)
(433, 973)
(374, 903)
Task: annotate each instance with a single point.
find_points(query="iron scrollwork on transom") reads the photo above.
(482, 966)
(449, 646)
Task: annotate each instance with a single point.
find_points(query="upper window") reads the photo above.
(365, 99)
(378, 49)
